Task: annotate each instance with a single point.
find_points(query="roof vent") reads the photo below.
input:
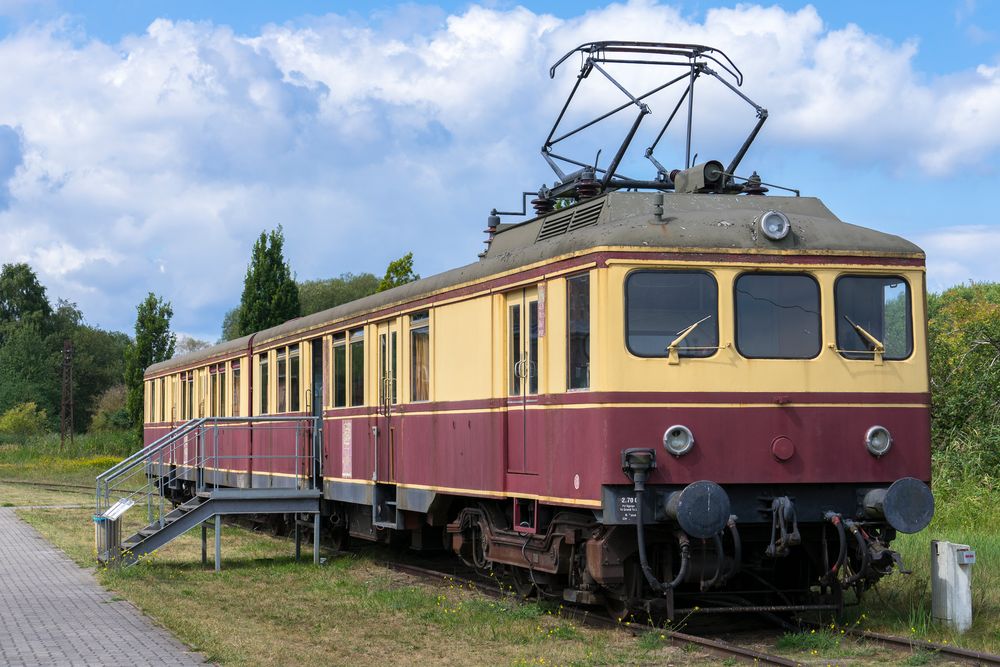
(575, 218)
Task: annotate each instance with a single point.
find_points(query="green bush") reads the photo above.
(110, 414)
(964, 344)
(24, 419)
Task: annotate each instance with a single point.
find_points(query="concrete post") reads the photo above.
(951, 583)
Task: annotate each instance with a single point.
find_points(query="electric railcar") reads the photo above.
(642, 399)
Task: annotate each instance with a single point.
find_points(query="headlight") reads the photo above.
(774, 225)
(878, 440)
(678, 440)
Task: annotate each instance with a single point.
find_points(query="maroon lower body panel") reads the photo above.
(564, 453)
(567, 452)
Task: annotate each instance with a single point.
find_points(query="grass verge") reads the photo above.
(967, 513)
(265, 609)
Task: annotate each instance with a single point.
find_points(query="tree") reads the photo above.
(231, 325)
(28, 368)
(399, 272)
(98, 364)
(964, 332)
(153, 343)
(270, 295)
(189, 344)
(317, 295)
(21, 295)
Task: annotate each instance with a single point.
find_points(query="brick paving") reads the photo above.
(53, 612)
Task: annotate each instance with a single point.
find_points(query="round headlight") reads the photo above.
(878, 440)
(678, 440)
(774, 225)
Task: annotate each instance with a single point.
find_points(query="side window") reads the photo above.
(213, 392)
(264, 379)
(876, 306)
(777, 316)
(420, 357)
(236, 388)
(222, 390)
(578, 331)
(150, 400)
(660, 305)
(358, 367)
(282, 379)
(163, 399)
(339, 370)
(294, 387)
(387, 368)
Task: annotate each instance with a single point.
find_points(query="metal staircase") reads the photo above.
(203, 470)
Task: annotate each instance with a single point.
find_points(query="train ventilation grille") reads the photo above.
(571, 220)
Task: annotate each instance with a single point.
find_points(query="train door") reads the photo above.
(388, 397)
(316, 406)
(385, 513)
(522, 376)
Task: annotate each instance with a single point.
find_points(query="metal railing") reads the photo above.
(205, 453)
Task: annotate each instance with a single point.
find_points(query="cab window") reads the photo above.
(878, 306)
(660, 305)
(777, 316)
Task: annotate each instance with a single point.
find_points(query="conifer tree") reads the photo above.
(270, 295)
(153, 343)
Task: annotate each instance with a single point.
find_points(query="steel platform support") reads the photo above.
(218, 542)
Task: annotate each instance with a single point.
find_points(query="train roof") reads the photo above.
(689, 222)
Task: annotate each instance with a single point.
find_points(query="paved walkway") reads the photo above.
(53, 612)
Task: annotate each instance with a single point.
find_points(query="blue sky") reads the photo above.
(143, 145)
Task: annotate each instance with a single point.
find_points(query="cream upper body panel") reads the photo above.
(727, 370)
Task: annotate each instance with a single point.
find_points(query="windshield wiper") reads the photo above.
(672, 355)
(877, 345)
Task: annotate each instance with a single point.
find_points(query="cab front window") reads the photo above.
(661, 305)
(873, 310)
(777, 316)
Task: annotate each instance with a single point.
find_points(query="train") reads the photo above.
(661, 396)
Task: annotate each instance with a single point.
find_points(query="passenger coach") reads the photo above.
(743, 377)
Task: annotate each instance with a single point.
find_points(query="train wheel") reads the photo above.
(520, 581)
(340, 539)
(618, 600)
(617, 608)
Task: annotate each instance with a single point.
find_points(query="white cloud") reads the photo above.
(960, 254)
(153, 163)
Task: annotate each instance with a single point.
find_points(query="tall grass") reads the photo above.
(118, 444)
(966, 485)
(41, 458)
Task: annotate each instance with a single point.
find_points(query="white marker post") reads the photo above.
(951, 583)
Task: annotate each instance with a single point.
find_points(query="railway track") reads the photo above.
(53, 486)
(955, 653)
(715, 646)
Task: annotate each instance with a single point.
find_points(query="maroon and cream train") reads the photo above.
(632, 399)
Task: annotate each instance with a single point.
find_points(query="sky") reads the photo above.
(145, 145)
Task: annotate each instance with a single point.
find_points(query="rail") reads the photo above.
(210, 452)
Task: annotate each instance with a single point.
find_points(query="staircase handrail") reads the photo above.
(139, 458)
(152, 448)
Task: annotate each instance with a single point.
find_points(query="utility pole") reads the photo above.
(66, 412)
